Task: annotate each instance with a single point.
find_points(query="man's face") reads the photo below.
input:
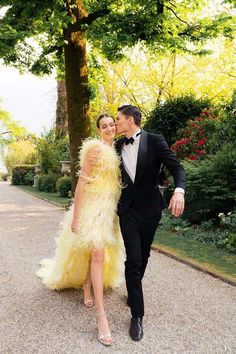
(122, 123)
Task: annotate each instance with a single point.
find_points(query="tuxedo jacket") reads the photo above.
(144, 191)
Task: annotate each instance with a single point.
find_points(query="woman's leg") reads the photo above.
(87, 287)
(97, 281)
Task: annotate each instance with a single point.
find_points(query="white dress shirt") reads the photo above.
(129, 155)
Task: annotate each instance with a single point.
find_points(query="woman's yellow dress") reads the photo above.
(98, 228)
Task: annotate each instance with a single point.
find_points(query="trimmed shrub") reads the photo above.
(4, 176)
(23, 175)
(47, 183)
(20, 153)
(29, 178)
(169, 117)
(210, 186)
(63, 186)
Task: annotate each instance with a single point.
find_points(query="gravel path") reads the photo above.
(186, 311)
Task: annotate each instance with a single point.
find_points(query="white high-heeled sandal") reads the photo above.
(102, 338)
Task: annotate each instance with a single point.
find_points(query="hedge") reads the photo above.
(23, 175)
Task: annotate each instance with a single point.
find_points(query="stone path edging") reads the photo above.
(195, 266)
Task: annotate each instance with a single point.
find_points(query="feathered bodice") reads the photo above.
(105, 175)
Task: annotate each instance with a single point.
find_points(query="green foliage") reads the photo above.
(29, 178)
(211, 185)
(225, 131)
(23, 175)
(62, 147)
(171, 223)
(21, 152)
(51, 150)
(110, 26)
(4, 176)
(47, 182)
(160, 24)
(228, 221)
(63, 186)
(8, 124)
(169, 117)
(10, 130)
(223, 237)
(219, 238)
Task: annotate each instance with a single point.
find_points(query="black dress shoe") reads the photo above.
(136, 330)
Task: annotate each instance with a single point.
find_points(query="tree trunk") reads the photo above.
(76, 71)
(172, 78)
(61, 112)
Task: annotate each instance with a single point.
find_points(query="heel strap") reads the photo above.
(101, 314)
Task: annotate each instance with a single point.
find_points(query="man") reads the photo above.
(141, 203)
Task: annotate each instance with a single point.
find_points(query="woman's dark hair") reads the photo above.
(104, 115)
(129, 110)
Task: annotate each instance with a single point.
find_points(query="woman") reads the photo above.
(89, 250)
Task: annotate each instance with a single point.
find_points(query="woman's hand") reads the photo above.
(74, 225)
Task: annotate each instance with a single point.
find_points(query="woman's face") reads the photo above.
(107, 128)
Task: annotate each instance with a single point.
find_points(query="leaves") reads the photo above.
(112, 26)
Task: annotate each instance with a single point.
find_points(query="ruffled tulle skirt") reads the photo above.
(69, 266)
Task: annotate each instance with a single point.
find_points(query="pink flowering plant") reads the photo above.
(193, 141)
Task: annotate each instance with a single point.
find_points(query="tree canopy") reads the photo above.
(43, 35)
(112, 26)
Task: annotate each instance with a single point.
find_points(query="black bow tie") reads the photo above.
(128, 141)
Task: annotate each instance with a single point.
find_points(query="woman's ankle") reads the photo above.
(87, 285)
(101, 314)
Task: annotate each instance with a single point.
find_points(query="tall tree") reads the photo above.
(61, 111)
(61, 28)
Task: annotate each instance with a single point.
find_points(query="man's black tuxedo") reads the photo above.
(153, 151)
(140, 208)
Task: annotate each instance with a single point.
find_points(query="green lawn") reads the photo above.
(207, 257)
(51, 197)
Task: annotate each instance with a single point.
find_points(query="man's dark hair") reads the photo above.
(129, 110)
(104, 115)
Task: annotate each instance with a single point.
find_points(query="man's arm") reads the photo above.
(176, 170)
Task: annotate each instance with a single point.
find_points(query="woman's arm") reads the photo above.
(84, 175)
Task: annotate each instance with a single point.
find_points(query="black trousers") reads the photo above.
(138, 233)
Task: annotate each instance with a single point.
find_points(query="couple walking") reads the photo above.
(117, 203)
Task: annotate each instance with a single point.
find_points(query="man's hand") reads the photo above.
(74, 225)
(177, 204)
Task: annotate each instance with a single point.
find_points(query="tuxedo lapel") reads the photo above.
(142, 156)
